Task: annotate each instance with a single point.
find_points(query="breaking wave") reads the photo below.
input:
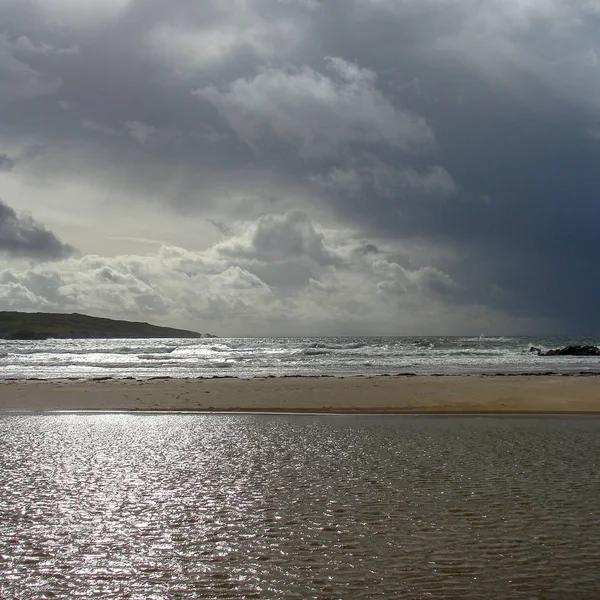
(257, 357)
(351, 346)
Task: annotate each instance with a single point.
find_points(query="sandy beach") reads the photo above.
(550, 394)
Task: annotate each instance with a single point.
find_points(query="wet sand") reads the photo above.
(510, 394)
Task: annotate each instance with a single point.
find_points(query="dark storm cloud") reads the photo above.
(467, 127)
(21, 236)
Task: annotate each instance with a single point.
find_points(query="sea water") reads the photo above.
(252, 357)
(230, 506)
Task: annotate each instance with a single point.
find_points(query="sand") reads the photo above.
(549, 394)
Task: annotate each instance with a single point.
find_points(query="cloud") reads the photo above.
(223, 287)
(399, 281)
(7, 163)
(434, 182)
(79, 13)
(317, 113)
(24, 44)
(93, 126)
(141, 132)
(204, 47)
(455, 140)
(594, 132)
(146, 134)
(222, 227)
(280, 237)
(18, 80)
(21, 236)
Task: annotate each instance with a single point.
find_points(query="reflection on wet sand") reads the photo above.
(226, 506)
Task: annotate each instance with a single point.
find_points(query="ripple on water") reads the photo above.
(200, 506)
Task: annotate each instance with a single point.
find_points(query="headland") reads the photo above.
(40, 326)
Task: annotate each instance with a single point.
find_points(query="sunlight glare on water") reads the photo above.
(233, 506)
(259, 357)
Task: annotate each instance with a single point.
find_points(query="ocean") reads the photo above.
(169, 507)
(256, 357)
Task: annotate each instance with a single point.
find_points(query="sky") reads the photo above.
(303, 167)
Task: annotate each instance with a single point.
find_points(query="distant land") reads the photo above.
(41, 326)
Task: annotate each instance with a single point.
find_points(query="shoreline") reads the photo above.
(158, 378)
(485, 394)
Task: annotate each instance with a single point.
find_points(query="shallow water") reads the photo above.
(234, 506)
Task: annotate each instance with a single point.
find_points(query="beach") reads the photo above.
(475, 394)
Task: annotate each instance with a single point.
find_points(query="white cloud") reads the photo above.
(318, 113)
(341, 289)
(275, 238)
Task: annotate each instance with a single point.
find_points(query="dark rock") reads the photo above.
(571, 350)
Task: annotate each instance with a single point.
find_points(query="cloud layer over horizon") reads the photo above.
(300, 167)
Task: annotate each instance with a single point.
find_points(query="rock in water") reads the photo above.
(571, 350)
